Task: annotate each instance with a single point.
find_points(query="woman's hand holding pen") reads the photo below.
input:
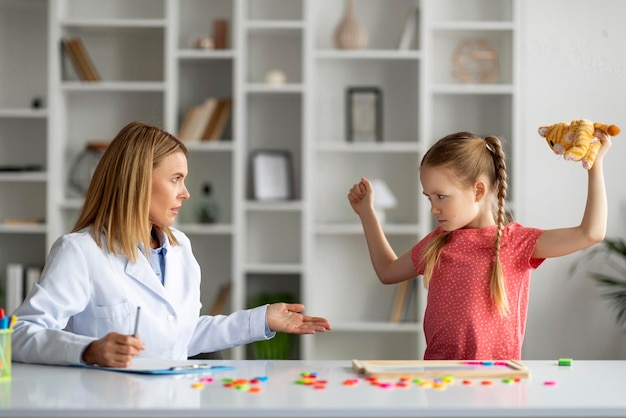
(286, 317)
(361, 195)
(113, 350)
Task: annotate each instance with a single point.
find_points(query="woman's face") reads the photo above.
(168, 189)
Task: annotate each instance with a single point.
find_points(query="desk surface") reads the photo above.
(587, 388)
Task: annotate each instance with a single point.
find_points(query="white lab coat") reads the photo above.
(85, 292)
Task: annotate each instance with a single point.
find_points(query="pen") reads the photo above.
(137, 321)
(4, 321)
(191, 366)
(201, 366)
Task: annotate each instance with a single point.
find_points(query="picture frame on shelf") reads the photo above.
(364, 119)
(272, 175)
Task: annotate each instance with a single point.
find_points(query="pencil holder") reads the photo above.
(5, 354)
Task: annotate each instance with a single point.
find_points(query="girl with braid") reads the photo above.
(476, 264)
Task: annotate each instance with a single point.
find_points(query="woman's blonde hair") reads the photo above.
(470, 157)
(117, 203)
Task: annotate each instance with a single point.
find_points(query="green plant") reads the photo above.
(612, 272)
(279, 347)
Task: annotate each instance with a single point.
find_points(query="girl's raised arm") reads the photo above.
(388, 266)
(592, 229)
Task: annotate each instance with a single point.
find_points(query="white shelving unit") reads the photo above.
(24, 129)
(310, 246)
(132, 85)
(344, 286)
(485, 109)
(198, 75)
(271, 256)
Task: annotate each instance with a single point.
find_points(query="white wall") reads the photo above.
(573, 66)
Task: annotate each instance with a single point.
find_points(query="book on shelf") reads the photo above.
(32, 276)
(70, 53)
(404, 300)
(185, 127)
(202, 117)
(14, 286)
(408, 30)
(217, 125)
(82, 63)
(411, 301)
(206, 121)
(220, 33)
(20, 168)
(20, 280)
(90, 69)
(196, 119)
(23, 221)
(219, 304)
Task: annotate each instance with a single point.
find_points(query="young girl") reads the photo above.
(476, 264)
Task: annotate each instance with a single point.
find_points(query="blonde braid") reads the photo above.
(497, 285)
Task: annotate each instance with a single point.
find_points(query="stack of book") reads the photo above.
(404, 301)
(221, 300)
(407, 37)
(77, 54)
(19, 281)
(206, 121)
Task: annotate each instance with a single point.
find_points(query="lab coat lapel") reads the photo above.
(142, 272)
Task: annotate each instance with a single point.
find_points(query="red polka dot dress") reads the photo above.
(461, 322)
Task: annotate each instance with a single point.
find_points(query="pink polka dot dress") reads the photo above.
(461, 322)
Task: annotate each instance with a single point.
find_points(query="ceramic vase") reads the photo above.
(85, 164)
(350, 34)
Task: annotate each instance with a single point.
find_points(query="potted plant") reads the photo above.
(609, 270)
(281, 346)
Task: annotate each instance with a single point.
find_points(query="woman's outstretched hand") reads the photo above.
(286, 317)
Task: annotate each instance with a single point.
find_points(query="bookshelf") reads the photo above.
(310, 246)
(24, 134)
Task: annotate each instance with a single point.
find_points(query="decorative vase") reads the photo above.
(275, 78)
(350, 34)
(85, 164)
(207, 210)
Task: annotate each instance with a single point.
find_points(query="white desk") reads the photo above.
(586, 389)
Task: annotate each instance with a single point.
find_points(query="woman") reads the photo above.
(123, 254)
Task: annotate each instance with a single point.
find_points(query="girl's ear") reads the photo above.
(479, 191)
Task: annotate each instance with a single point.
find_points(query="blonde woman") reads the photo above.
(124, 254)
(477, 262)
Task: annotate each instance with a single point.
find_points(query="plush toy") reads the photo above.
(576, 140)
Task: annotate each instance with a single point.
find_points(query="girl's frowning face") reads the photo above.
(454, 205)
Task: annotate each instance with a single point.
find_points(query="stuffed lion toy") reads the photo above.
(576, 140)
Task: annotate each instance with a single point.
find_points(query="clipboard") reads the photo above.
(165, 367)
